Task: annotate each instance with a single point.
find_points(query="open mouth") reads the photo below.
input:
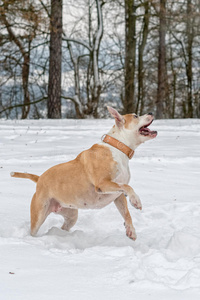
(144, 130)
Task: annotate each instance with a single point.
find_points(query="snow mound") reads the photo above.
(184, 244)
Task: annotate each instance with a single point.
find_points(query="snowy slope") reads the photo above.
(96, 260)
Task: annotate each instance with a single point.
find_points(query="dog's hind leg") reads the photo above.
(70, 215)
(39, 212)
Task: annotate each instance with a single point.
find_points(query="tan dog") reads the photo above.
(95, 178)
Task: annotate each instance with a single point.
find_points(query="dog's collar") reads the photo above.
(117, 144)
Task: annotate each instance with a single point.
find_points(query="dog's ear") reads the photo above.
(119, 120)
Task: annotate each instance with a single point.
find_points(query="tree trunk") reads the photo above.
(190, 36)
(96, 91)
(173, 80)
(25, 80)
(162, 82)
(54, 88)
(140, 101)
(130, 55)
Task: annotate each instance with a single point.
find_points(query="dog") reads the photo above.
(95, 178)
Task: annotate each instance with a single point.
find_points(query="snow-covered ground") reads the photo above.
(95, 260)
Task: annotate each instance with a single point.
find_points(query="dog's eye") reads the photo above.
(135, 116)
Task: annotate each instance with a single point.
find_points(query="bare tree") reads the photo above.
(142, 43)
(130, 56)
(162, 80)
(189, 72)
(26, 12)
(93, 84)
(184, 32)
(54, 88)
(77, 96)
(94, 56)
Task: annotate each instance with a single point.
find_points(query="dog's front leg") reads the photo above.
(109, 187)
(121, 204)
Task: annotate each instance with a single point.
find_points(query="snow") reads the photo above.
(95, 260)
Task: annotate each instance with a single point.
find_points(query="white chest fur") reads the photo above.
(123, 172)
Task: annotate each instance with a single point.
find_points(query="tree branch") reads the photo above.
(24, 104)
(11, 33)
(182, 47)
(78, 42)
(46, 9)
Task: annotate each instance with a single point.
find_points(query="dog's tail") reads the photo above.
(25, 175)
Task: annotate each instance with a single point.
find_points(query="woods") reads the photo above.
(69, 59)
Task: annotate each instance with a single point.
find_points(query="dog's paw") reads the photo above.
(135, 201)
(130, 232)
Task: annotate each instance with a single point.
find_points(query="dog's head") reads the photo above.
(133, 127)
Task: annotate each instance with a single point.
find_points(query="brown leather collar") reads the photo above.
(117, 144)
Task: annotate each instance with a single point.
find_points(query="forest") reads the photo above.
(70, 59)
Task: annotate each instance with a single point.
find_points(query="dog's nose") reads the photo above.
(151, 114)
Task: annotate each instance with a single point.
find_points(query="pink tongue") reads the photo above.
(145, 129)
